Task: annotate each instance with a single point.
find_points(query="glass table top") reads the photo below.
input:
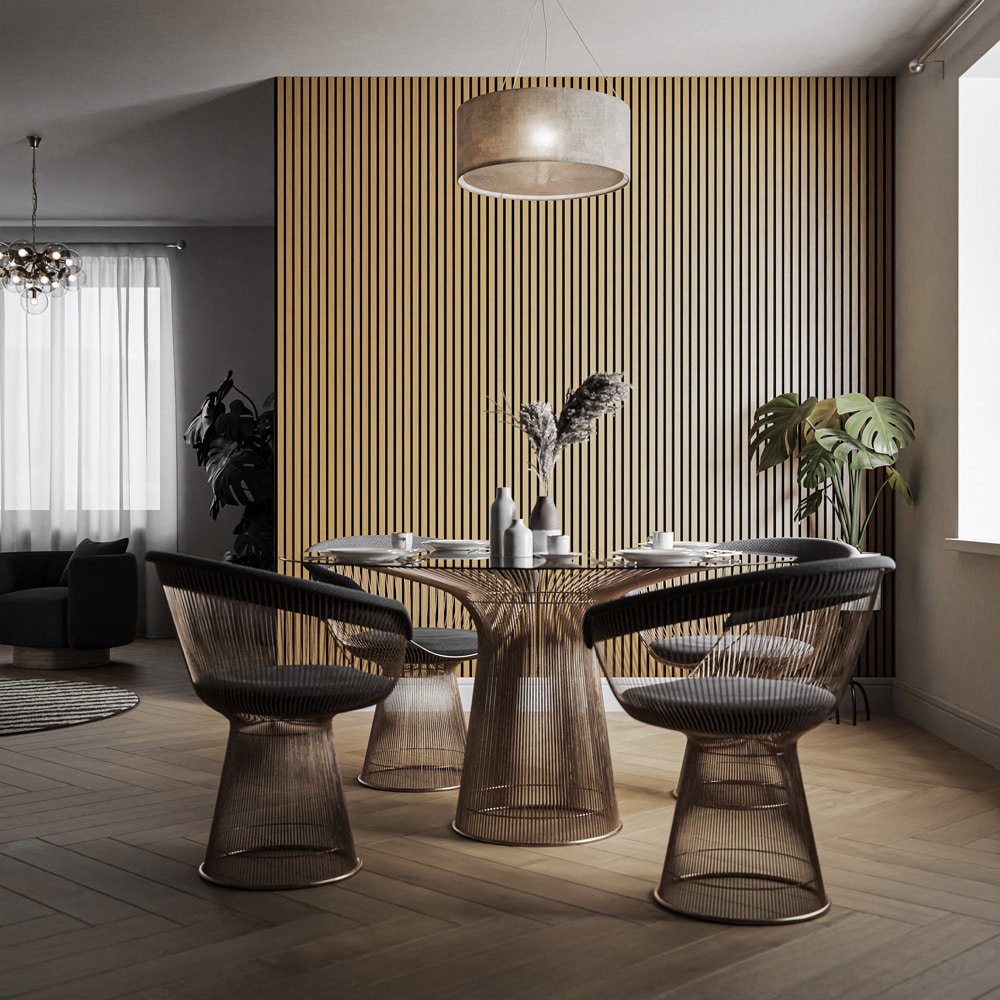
(680, 557)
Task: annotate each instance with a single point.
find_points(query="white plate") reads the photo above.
(459, 554)
(557, 557)
(456, 544)
(658, 557)
(696, 546)
(373, 557)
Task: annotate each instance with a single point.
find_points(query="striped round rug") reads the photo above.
(27, 706)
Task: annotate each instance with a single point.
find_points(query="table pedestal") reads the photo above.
(537, 762)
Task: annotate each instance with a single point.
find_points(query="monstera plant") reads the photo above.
(834, 443)
(235, 443)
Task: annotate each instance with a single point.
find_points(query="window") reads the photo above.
(87, 413)
(979, 298)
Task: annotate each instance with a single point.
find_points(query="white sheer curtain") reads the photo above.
(87, 416)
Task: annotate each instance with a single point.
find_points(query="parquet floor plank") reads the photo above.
(800, 955)
(910, 958)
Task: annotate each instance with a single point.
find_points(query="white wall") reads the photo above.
(948, 602)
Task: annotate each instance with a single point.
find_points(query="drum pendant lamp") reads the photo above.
(543, 143)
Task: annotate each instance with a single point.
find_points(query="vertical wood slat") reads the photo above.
(751, 254)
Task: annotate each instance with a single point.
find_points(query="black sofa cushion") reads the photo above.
(87, 547)
(35, 617)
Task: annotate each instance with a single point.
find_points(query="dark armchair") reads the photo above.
(67, 608)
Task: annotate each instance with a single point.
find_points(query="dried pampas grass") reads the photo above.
(600, 394)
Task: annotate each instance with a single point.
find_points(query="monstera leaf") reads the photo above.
(775, 428)
(846, 448)
(882, 424)
(816, 466)
(238, 476)
(898, 483)
(809, 504)
(238, 424)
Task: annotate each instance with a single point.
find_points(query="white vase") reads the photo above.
(503, 511)
(518, 542)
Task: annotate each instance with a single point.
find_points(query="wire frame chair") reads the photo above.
(259, 651)
(741, 846)
(417, 740)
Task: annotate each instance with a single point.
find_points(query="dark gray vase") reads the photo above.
(544, 516)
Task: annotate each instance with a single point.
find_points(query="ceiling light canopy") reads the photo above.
(543, 143)
(38, 275)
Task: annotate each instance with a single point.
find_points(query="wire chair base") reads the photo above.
(417, 741)
(280, 817)
(741, 845)
(230, 871)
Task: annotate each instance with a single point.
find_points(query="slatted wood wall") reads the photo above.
(751, 254)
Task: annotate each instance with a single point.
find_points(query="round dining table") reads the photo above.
(537, 768)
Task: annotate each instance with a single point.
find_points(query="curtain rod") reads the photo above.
(176, 245)
(917, 65)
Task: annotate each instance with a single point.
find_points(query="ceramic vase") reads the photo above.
(544, 516)
(517, 541)
(503, 511)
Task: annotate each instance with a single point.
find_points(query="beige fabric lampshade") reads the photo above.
(539, 143)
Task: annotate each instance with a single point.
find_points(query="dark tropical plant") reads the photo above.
(835, 442)
(235, 443)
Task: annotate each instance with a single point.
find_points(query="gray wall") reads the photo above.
(220, 323)
(223, 289)
(948, 625)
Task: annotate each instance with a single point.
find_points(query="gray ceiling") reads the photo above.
(156, 112)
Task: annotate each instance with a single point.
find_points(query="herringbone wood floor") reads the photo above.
(102, 825)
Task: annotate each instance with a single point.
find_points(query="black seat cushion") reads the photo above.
(292, 691)
(87, 547)
(431, 644)
(35, 617)
(729, 706)
(690, 650)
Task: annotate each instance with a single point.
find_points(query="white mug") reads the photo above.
(402, 540)
(662, 540)
(559, 544)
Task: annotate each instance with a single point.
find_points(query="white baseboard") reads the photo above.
(961, 728)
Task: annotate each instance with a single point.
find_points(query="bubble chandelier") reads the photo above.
(38, 275)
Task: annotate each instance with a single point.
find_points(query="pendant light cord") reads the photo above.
(34, 196)
(519, 52)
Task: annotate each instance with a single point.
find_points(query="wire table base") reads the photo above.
(537, 766)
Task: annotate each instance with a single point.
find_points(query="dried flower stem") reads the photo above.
(600, 394)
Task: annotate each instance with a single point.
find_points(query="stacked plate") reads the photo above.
(677, 556)
(457, 548)
(558, 558)
(369, 557)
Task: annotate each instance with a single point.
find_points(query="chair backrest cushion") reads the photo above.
(803, 549)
